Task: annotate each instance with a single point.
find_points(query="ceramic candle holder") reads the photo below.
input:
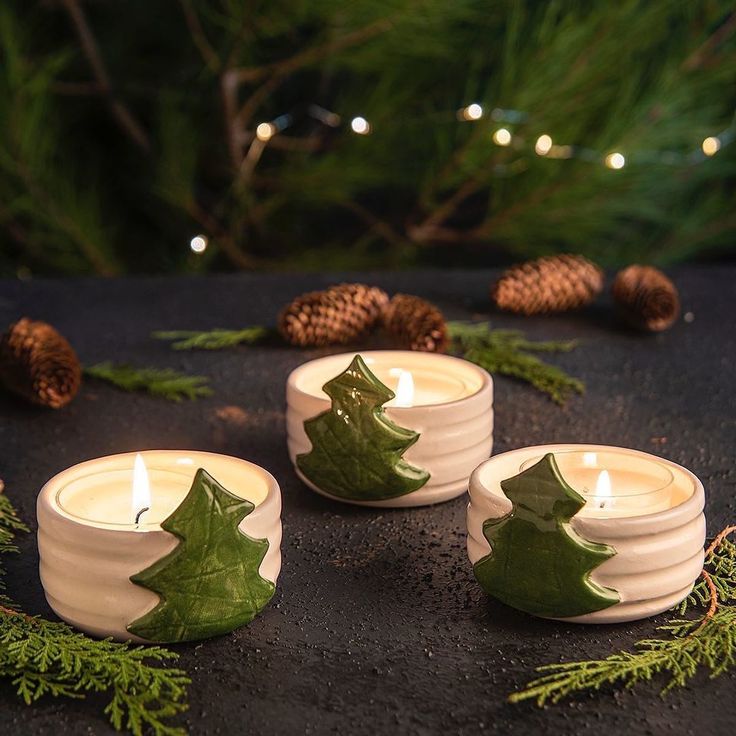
(389, 428)
(201, 559)
(586, 533)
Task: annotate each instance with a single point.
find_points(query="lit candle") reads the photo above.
(446, 401)
(100, 523)
(601, 534)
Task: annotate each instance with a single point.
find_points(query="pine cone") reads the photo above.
(646, 298)
(336, 315)
(548, 284)
(416, 323)
(37, 363)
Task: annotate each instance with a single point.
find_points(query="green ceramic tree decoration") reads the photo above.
(356, 450)
(538, 563)
(209, 584)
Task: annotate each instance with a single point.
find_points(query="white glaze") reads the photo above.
(85, 565)
(455, 435)
(658, 556)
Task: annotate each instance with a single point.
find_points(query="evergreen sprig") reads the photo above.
(164, 382)
(216, 339)
(509, 353)
(43, 657)
(708, 641)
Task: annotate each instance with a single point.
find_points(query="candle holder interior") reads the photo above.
(84, 499)
(647, 488)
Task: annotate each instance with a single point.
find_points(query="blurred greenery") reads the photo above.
(126, 131)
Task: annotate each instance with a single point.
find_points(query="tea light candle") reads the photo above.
(625, 543)
(100, 523)
(447, 401)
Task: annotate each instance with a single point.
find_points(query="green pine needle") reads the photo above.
(509, 353)
(216, 339)
(43, 657)
(164, 382)
(708, 641)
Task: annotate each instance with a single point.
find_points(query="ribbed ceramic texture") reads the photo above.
(85, 569)
(453, 439)
(658, 557)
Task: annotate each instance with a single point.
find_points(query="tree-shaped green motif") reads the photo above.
(538, 563)
(209, 584)
(356, 450)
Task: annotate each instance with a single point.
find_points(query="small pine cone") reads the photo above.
(548, 284)
(337, 315)
(416, 323)
(37, 363)
(646, 298)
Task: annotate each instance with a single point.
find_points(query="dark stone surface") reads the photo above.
(377, 626)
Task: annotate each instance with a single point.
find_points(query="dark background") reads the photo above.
(377, 625)
(123, 135)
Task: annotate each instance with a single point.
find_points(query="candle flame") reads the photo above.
(141, 497)
(603, 488)
(404, 389)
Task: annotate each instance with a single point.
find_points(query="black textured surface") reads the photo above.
(377, 626)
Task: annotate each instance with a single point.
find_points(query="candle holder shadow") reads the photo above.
(539, 545)
(205, 564)
(353, 439)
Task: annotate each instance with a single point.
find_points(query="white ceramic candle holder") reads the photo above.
(212, 571)
(597, 535)
(436, 427)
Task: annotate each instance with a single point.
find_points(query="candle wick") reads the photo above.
(140, 513)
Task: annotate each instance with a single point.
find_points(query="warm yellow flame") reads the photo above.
(711, 146)
(265, 131)
(360, 126)
(615, 160)
(404, 389)
(543, 145)
(141, 487)
(502, 137)
(603, 487)
(472, 112)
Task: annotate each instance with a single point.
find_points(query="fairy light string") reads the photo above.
(502, 135)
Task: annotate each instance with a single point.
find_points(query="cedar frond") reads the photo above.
(164, 382)
(216, 339)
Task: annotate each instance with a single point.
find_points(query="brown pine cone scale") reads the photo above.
(334, 316)
(416, 323)
(37, 363)
(549, 284)
(646, 298)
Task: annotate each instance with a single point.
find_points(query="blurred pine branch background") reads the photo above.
(127, 129)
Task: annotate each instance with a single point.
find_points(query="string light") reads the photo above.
(198, 244)
(543, 145)
(615, 160)
(265, 131)
(711, 145)
(502, 137)
(360, 126)
(471, 112)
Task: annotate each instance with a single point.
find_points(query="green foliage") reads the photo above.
(164, 382)
(537, 562)
(43, 657)
(210, 583)
(708, 641)
(509, 353)
(103, 171)
(212, 339)
(356, 450)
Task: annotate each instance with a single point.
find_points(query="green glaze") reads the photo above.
(356, 450)
(538, 563)
(209, 584)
